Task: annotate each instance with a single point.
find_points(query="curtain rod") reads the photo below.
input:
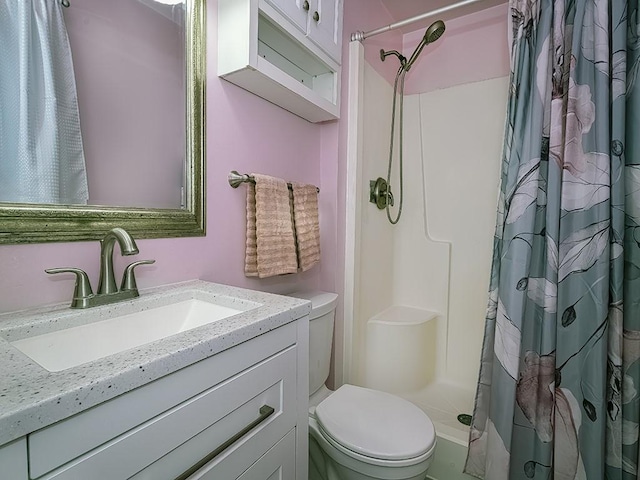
(361, 36)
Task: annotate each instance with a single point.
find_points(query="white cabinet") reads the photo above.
(13, 459)
(223, 417)
(296, 11)
(277, 464)
(285, 51)
(320, 20)
(325, 26)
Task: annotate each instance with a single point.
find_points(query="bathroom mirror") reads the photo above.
(34, 222)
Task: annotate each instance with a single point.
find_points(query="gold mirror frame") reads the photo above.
(29, 223)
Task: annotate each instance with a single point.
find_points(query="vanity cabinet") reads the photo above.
(241, 414)
(285, 51)
(13, 459)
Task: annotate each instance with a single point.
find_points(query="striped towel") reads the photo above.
(270, 248)
(307, 226)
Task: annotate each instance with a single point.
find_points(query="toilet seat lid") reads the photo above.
(375, 424)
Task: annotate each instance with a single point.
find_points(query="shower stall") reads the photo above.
(416, 292)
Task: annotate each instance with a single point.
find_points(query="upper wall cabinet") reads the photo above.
(286, 51)
(296, 11)
(320, 20)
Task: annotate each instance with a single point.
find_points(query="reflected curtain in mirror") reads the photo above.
(41, 150)
(22, 222)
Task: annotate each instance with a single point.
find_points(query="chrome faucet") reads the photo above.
(83, 296)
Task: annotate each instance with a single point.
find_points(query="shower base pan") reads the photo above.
(443, 402)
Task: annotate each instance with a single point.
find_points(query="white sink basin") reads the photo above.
(62, 349)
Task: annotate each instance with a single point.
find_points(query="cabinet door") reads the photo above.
(297, 11)
(277, 464)
(13, 460)
(325, 26)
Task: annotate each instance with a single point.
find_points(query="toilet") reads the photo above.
(356, 433)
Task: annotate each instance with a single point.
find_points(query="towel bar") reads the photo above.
(235, 179)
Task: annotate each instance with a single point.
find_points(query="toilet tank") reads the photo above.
(321, 318)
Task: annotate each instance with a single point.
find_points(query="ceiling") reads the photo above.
(403, 9)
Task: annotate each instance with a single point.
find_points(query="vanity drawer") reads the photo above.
(279, 463)
(246, 455)
(213, 416)
(95, 429)
(227, 459)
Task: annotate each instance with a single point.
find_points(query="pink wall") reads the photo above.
(365, 16)
(128, 62)
(244, 133)
(473, 48)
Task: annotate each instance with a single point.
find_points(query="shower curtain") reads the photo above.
(41, 151)
(558, 392)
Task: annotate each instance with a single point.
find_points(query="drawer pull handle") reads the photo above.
(265, 412)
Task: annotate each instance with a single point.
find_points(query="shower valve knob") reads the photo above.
(379, 193)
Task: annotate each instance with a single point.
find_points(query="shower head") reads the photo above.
(433, 33)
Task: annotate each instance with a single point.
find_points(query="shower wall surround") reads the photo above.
(458, 99)
(438, 257)
(455, 156)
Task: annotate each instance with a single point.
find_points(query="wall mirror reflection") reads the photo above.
(102, 118)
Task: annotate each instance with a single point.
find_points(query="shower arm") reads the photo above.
(361, 36)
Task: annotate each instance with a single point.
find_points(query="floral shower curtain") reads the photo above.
(558, 394)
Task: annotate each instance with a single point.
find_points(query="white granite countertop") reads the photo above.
(32, 397)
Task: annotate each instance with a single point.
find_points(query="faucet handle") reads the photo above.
(82, 291)
(128, 278)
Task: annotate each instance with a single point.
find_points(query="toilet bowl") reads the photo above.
(367, 434)
(357, 433)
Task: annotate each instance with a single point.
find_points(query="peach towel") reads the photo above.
(307, 226)
(270, 248)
